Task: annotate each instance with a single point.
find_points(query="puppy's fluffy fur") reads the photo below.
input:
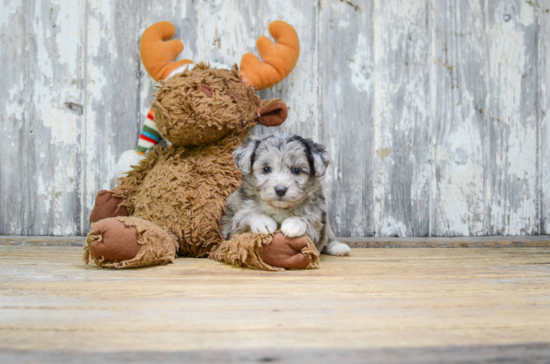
(281, 189)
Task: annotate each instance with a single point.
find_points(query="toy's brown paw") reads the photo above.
(285, 252)
(106, 205)
(116, 242)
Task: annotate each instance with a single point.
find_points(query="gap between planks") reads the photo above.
(369, 242)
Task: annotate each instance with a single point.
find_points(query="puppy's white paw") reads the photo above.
(337, 248)
(262, 224)
(293, 226)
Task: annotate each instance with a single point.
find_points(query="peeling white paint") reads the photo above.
(8, 11)
(100, 41)
(220, 39)
(62, 124)
(393, 228)
(68, 32)
(457, 95)
(544, 97)
(359, 65)
(343, 24)
(15, 107)
(401, 171)
(514, 206)
(104, 7)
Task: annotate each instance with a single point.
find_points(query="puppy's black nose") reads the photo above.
(281, 191)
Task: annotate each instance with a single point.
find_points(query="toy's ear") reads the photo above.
(244, 154)
(273, 114)
(320, 156)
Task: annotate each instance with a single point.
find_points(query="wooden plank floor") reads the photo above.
(423, 305)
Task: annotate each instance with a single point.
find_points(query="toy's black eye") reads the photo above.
(267, 169)
(295, 170)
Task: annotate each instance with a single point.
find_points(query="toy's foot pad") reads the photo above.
(129, 242)
(116, 241)
(268, 252)
(285, 252)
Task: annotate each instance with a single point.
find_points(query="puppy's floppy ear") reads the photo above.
(243, 154)
(320, 156)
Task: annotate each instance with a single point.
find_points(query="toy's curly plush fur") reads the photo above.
(200, 106)
(184, 191)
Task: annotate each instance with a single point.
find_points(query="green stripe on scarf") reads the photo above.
(152, 131)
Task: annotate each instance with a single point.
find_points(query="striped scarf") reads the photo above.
(149, 134)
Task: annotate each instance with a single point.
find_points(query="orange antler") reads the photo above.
(156, 54)
(279, 59)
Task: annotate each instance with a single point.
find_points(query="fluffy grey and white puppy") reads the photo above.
(281, 189)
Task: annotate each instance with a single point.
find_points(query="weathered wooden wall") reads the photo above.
(436, 112)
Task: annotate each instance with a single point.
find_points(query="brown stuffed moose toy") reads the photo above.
(171, 199)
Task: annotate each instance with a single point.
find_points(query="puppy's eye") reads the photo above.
(267, 169)
(295, 170)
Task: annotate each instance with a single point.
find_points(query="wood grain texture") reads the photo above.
(346, 123)
(13, 100)
(41, 95)
(56, 57)
(435, 112)
(458, 123)
(402, 173)
(512, 181)
(543, 14)
(391, 299)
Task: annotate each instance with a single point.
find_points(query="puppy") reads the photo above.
(281, 190)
